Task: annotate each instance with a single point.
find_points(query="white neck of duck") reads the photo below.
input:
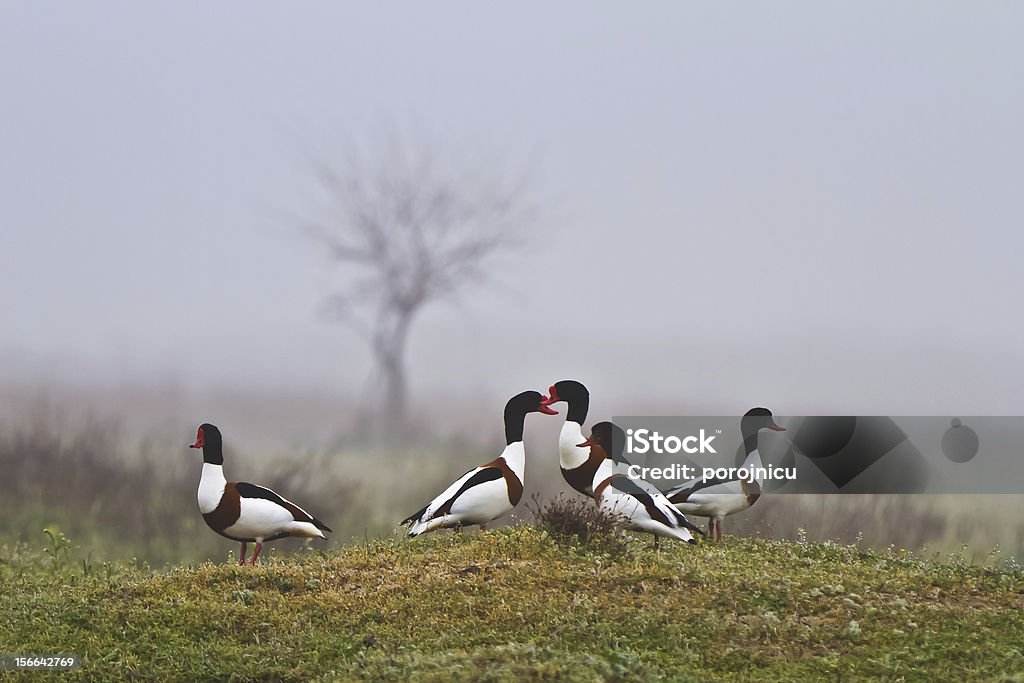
(604, 470)
(211, 487)
(570, 455)
(515, 457)
(753, 462)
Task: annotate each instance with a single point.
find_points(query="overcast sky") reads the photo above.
(809, 205)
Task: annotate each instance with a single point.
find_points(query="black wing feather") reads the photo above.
(624, 484)
(628, 486)
(702, 484)
(247, 490)
(415, 516)
(484, 475)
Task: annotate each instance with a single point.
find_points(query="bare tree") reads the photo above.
(408, 229)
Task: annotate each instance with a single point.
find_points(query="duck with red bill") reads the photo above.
(633, 503)
(490, 491)
(717, 497)
(244, 512)
(578, 465)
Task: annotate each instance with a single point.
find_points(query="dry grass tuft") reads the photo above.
(578, 521)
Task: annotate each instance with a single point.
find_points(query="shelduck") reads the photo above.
(490, 491)
(244, 512)
(578, 465)
(718, 498)
(635, 503)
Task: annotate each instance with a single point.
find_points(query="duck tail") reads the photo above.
(321, 526)
(414, 517)
(684, 522)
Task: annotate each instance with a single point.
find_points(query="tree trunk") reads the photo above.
(390, 337)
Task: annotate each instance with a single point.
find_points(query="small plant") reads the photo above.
(59, 548)
(577, 521)
(853, 630)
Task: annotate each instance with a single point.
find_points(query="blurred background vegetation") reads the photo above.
(122, 487)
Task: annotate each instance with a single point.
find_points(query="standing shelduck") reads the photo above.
(490, 491)
(634, 503)
(578, 465)
(244, 512)
(718, 498)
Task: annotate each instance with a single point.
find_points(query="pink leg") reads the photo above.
(241, 555)
(256, 553)
(718, 529)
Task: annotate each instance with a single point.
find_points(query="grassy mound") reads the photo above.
(515, 604)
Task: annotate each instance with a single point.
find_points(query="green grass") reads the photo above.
(514, 604)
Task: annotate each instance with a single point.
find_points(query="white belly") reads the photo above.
(483, 503)
(714, 505)
(260, 518)
(632, 514)
(626, 508)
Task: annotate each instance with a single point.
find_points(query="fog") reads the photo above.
(810, 206)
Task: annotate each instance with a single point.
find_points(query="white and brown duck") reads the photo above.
(245, 512)
(578, 465)
(719, 498)
(634, 503)
(489, 491)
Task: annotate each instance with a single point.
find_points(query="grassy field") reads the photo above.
(518, 604)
